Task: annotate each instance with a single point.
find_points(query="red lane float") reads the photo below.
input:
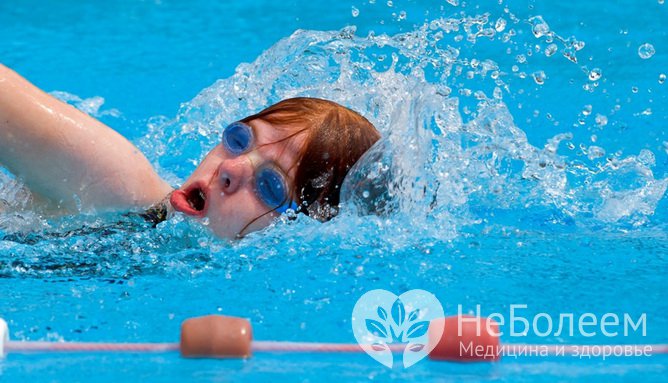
(216, 336)
(462, 333)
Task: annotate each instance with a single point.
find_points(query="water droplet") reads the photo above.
(521, 59)
(595, 152)
(646, 51)
(634, 89)
(551, 49)
(402, 15)
(595, 74)
(646, 157)
(500, 24)
(366, 194)
(601, 120)
(454, 3)
(662, 78)
(539, 77)
(539, 26)
(569, 53)
(587, 110)
(355, 12)
(660, 1)
(390, 3)
(291, 214)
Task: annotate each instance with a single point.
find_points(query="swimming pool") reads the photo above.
(546, 190)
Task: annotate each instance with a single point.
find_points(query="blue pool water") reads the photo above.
(528, 178)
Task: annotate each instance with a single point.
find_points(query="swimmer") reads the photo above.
(291, 155)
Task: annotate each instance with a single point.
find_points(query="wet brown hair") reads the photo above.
(336, 137)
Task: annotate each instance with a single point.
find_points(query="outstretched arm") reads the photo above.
(67, 157)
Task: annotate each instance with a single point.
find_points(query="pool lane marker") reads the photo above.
(217, 336)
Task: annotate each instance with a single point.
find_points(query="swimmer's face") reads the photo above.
(221, 191)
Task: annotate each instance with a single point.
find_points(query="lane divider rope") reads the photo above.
(218, 336)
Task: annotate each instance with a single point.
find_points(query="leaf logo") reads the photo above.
(381, 318)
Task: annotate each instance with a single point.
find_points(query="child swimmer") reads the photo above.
(292, 155)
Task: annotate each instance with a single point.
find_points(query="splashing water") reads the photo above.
(89, 106)
(451, 152)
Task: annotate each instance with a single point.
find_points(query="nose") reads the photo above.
(233, 173)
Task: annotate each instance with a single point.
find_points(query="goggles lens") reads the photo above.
(270, 185)
(237, 138)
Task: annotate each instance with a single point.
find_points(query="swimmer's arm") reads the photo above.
(67, 157)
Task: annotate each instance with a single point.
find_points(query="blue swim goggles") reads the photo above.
(270, 184)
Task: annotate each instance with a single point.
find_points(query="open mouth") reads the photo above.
(191, 201)
(196, 199)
